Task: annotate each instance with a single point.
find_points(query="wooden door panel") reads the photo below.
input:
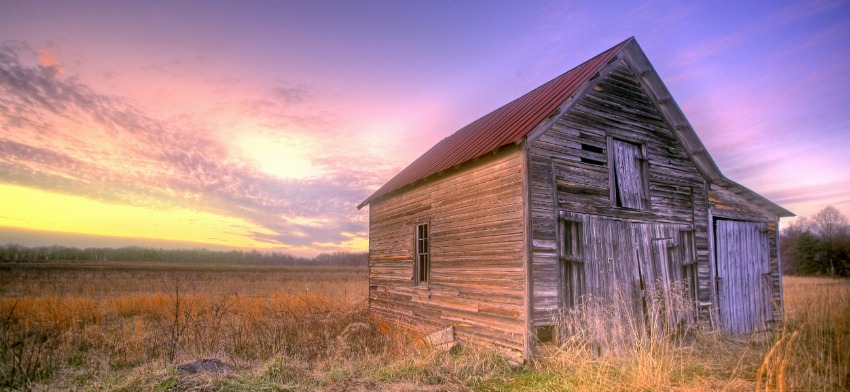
(742, 263)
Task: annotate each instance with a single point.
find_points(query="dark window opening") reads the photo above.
(422, 267)
(545, 334)
(593, 149)
(629, 188)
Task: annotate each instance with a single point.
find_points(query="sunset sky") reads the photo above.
(263, 124)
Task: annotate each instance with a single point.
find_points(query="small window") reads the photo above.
(628, 175)
(591, 148)
(422, 264)
(595, 150)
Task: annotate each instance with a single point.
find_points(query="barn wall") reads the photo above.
(560, 181)
(724, 203)
(477, 228)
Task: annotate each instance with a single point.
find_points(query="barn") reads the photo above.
(593, 185)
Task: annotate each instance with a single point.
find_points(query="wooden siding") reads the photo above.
(727, 204)
(569, 171)
(477, 282)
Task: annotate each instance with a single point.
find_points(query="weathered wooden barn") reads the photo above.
(593, 184)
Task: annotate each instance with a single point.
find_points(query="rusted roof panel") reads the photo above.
(501, 127)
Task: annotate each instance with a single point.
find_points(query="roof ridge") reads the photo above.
(502, 126)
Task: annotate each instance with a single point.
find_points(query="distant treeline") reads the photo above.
(817, 245)
(21, 253)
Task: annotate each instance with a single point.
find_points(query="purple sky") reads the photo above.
(263, 124)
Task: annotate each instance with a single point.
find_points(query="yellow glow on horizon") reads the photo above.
(357, 244)
(33, 209)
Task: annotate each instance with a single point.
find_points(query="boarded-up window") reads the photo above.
(422, 264)
(628, 182)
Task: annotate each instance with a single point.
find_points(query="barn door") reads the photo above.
(743, 274)
(628, 275)
(658, 311)
(670, 306)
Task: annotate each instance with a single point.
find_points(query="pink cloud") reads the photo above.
(48, 60)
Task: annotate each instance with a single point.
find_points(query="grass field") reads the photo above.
(125, 326)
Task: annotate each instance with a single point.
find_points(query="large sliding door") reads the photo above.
(743, 273)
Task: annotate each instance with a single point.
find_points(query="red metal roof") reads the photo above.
(500, 127)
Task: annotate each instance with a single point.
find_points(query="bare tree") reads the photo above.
(831, 227)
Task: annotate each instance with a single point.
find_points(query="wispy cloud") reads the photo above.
(104, 147)
(824, 194)
(776, 116)
(291, 94)
(747, 37)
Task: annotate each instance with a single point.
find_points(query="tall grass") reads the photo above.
(607, 347)
(58, 332)
(140, 314)
(812, 350)
(125, 331)
(625, 343)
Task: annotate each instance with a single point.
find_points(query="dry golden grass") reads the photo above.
(812, 351)
(60, 318)
(121, 326)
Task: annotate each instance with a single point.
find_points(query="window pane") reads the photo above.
(424, 267)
